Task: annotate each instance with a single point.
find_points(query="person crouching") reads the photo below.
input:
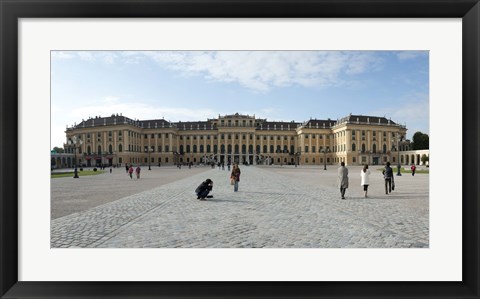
(203, 189)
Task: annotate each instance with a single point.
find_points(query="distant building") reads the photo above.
(354, 139)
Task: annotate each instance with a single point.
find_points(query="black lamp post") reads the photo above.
(148, 150)
(325, 151)
(74, 141)
(398, 153)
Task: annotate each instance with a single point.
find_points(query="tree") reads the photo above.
(58, 150)
(420, 141)
(424, 159)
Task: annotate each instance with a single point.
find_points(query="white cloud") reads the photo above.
(262, 70)
(62, 55)
(413, 110)
(138, 110)
(405, 55)
(259, 71)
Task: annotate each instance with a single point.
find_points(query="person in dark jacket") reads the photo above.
(388, 176)
(203, 189)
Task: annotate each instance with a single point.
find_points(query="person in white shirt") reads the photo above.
(365, 175)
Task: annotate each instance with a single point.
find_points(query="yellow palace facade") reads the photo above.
(236, 138)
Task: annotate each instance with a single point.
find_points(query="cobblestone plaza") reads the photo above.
(276, 207)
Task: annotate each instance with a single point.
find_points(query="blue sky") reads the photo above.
(277, 85)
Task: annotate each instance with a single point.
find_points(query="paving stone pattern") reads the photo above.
(272, 210)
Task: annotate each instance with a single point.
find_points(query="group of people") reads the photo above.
(206, 186)
(365, 178)
(130, 170)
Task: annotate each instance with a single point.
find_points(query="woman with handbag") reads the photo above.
(235, 177)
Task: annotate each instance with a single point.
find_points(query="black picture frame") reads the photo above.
(12, 10)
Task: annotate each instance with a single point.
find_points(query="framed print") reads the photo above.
(139, 103)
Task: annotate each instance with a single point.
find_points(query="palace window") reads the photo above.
(313, 149)
(306, 149)
(208, 148)
(167, 148)
(271, 149)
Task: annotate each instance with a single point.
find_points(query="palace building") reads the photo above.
(236, 138)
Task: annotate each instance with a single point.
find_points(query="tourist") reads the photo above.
(413, 168)
(203, 189)
(365, 178)
(130, 171)
(137, 171)
(342, 179)
(126, 168)
(235, 177)
(388, 176)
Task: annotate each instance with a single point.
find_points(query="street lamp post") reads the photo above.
(74, 141)
(399, 166)
(148, 150)
(324, 151)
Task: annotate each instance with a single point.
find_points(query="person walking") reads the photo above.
(388, 176)
(130, 172)
(235, 177)
(365, 178)
(342, 179)
(137, 171)
(203, 189)
(126, 168)
(413, 168)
